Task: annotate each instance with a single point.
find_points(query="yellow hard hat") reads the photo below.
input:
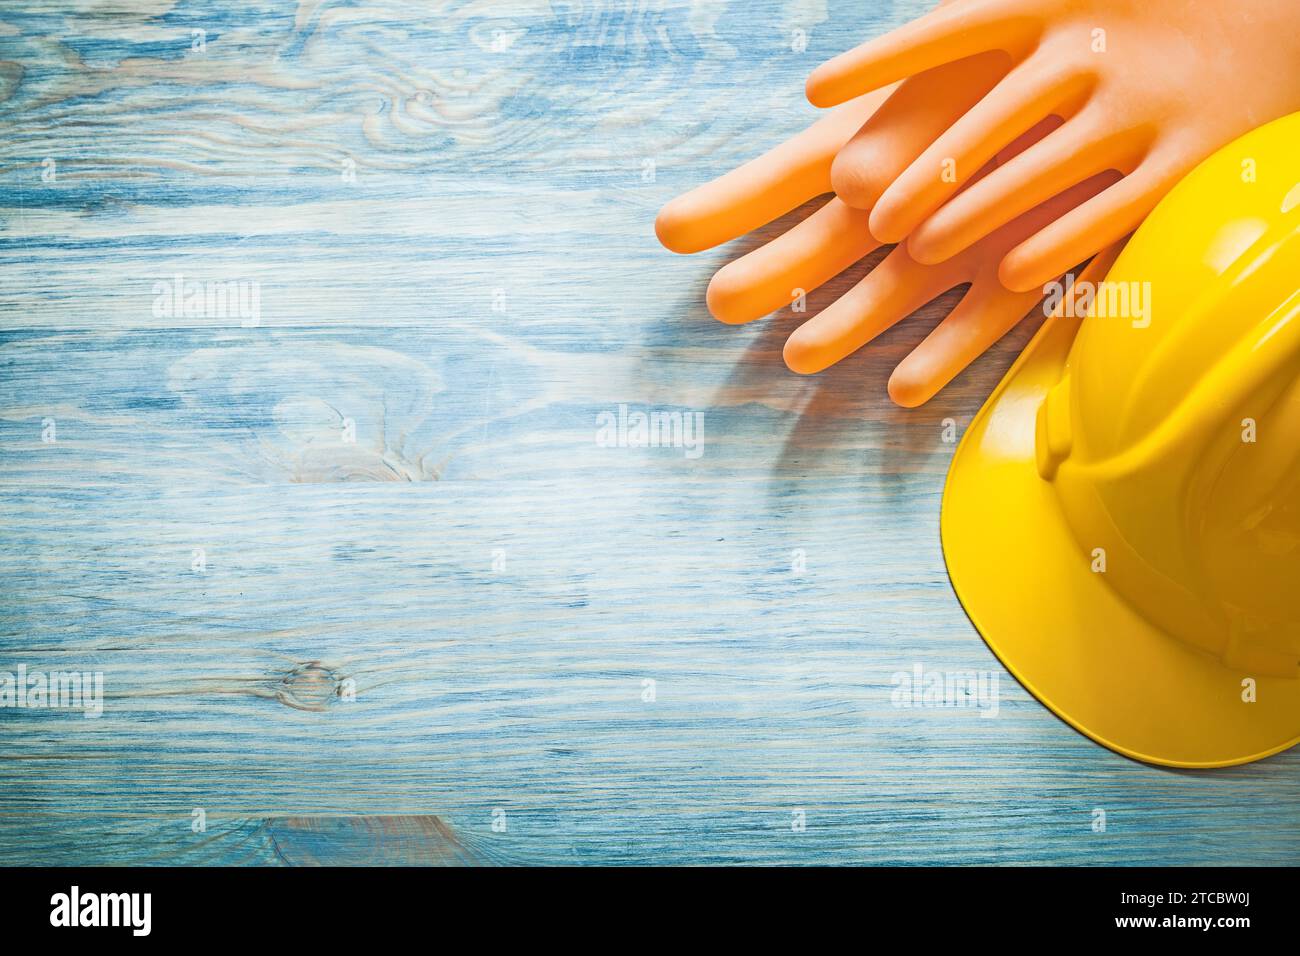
(1122, 518)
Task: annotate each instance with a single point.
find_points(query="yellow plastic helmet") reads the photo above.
(1122, 518)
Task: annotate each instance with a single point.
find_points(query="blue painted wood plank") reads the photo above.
(361, 576)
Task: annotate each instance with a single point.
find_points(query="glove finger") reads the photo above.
(765, 188)
(895, 289)
(1021, 101)
(985, 314)
(802, 259)
(941, 36)
(917, 111)
(1037, 176)
(1084, 230)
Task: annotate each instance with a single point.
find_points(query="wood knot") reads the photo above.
(423, 840)
(309, 686)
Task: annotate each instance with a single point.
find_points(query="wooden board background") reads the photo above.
(495, 586)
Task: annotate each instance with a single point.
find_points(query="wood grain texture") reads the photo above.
(447, 207)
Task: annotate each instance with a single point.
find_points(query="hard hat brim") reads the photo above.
(1031, 591)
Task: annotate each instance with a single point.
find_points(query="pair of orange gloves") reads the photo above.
(1018, 139)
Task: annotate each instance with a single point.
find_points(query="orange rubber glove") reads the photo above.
(1146, 87)
(830, 240)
